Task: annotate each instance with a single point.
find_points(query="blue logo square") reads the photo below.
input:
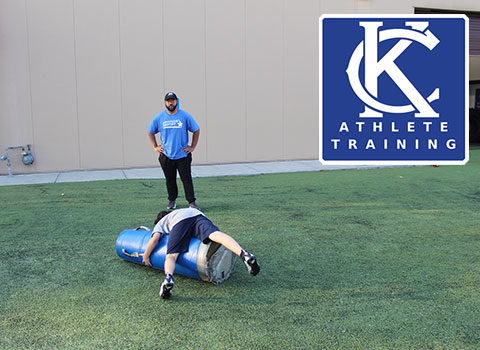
(394, 89)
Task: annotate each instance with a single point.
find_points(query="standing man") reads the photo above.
(173, 124)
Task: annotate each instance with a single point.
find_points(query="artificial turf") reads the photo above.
(359, 259)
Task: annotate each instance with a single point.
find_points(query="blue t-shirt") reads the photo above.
(173, 131)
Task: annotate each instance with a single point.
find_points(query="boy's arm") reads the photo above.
(150, 246)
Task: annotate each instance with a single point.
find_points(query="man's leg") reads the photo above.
(170, 171)
(185, 171)
(231, 244)
(167, 284)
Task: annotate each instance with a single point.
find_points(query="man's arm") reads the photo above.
(153, 141)
(196, 136)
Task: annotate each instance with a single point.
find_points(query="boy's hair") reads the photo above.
(161, 215)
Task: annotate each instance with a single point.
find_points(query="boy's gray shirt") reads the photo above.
(166, 224)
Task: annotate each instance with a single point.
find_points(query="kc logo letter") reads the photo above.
(374, 67)
(393, 89)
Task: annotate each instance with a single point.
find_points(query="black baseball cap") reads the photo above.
(170, 95)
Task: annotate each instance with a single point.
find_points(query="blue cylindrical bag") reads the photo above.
(210, 262)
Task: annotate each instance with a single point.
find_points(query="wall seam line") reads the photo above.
(284, 87)
(121, 84)
(163, 46)
(29, 73)
(206, 94)
(245, 80)
(76, 85)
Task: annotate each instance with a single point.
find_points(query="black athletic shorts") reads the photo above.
(199, 227)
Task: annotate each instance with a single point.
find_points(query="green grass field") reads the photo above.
(368, 259)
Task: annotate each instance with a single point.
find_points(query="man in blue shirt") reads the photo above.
(175, 154)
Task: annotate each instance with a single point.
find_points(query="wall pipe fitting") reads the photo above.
(27, 157)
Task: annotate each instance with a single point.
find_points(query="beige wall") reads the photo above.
(81, 79)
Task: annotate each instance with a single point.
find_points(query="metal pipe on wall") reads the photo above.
(27, 157)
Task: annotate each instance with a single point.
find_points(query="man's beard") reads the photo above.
(171, 108)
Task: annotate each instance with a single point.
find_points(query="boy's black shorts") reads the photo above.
(199, 227)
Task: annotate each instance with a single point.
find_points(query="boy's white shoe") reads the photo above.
(166, 287)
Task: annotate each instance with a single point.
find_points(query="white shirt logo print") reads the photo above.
(172, 124)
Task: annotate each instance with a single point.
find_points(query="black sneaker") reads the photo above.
(250, 262)
(171, 205)
(194, 205)
(166, 287)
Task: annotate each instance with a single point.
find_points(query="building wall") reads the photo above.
(81, 79)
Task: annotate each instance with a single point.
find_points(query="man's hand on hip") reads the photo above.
(188, 149)
(159, 149)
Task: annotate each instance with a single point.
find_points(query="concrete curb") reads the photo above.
(235, 169)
